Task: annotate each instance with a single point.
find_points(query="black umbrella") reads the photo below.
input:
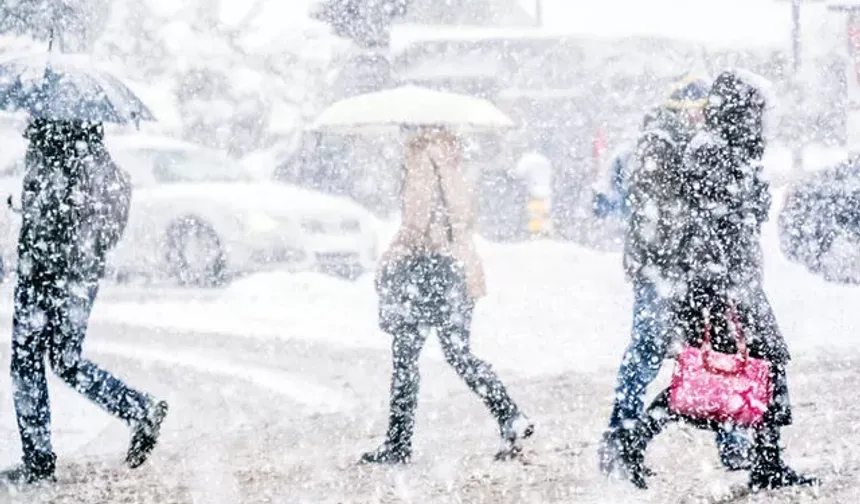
(67, 87)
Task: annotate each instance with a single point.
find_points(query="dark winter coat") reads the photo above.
(75, 203)
(725, 201)
(651, 242)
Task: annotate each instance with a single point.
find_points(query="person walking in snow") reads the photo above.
(724, 202)
(651, 264)
(75, 204)
(429, 279)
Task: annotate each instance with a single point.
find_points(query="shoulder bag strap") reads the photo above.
(447, 220)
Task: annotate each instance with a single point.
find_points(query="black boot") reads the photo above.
(623, 448)
(769, 471)
(735, 450)
(35, 469)
(145, 434)
(397, 448)
(513, 431)
(388, 453)
(622, 451)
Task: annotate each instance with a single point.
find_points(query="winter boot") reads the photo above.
(388, 454)
(609, 453)
(145, 434)
(514, 430)
(734, 449)
(622, 452)
(36, 469)
(397, 448)
(769, 471)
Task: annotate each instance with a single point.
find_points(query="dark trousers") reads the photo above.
(453, 333)
(642, 362)
(51, 320)
(765, 442)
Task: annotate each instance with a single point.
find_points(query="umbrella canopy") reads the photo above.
(67, 87)
(411, 106)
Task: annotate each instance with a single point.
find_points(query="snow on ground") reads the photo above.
(279, 381)
(552, 307)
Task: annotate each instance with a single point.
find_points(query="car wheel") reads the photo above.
(195, 255)
(351, 273)
(839, 260)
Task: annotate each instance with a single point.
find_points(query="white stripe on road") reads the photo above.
(312, 395)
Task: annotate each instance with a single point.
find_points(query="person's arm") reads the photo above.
(416, 208)
(641, 239)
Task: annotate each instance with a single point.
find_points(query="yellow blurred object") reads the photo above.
(539, 223)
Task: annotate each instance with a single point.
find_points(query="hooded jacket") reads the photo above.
(725, 202)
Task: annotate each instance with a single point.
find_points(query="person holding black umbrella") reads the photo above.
(74, 208)
(75, 204)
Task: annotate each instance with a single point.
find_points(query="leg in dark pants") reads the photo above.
(51, 319)
(408, 340)
(454, 336)
(96, 384)
(767, 469)
(639, 367)
(405, 380)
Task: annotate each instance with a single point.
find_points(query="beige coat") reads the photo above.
(422, 230)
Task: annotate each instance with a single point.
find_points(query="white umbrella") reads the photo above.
(411, 106)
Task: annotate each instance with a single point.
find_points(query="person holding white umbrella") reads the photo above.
(431, 275)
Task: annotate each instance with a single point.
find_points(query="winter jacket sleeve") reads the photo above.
(646, 250)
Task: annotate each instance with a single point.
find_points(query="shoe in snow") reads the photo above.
(609, 453)
(780, 477)
(387, 454)
(622, 452)
(736, 463)
(513, 432)
(22, 476)
(145, 434)
(735, 450)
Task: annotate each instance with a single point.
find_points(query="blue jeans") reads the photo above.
(643, 358)
(642, 362)
(50, 321)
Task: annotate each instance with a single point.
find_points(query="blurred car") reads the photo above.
(819, 224)
(200, 218)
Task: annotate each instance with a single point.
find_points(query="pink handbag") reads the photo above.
(710, 385)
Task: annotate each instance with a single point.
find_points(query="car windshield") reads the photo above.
(161, 166)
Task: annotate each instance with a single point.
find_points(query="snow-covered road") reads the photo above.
(279, 381)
